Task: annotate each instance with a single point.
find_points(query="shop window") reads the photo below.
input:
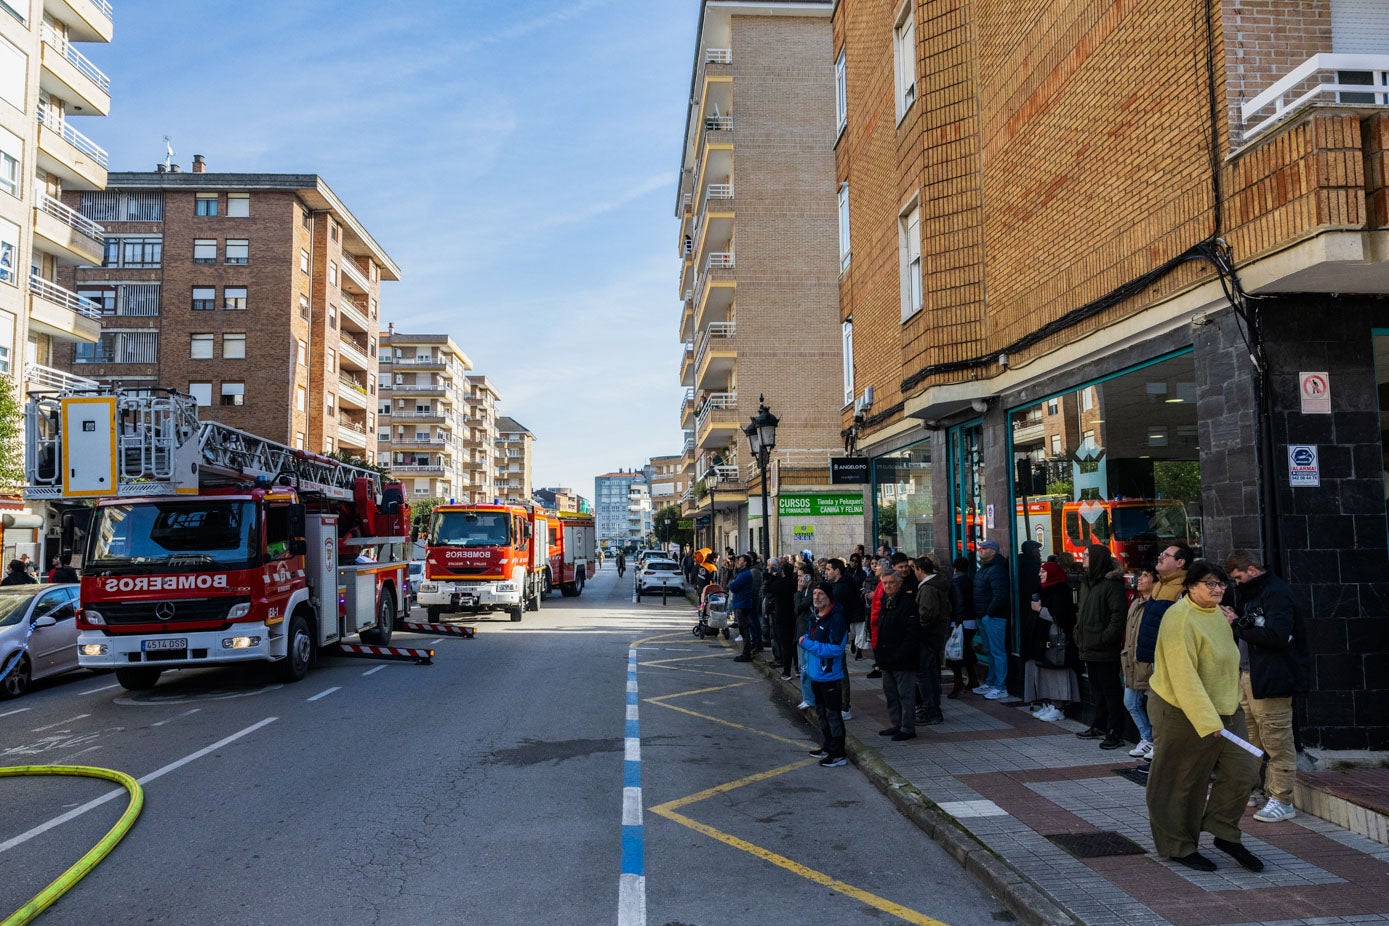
(1114, 463)
(902, 500)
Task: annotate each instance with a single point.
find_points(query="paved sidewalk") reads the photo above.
(1011, 781)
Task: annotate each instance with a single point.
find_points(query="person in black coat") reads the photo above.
(1272, 635)
(780, 586)
(898, 654)
(18, 574)
(962, 606)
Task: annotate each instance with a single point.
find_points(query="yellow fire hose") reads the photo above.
(64, 882)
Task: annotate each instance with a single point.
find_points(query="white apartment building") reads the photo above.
(514, 460)
(424, 427)
(479, 448)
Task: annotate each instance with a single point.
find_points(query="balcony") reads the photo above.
(352, 391)
(1322, 80)
(62, 314)
(412, 442)
(416, 469)
(352, 435)
(687, 365)
(353, 280)
(352, 354)
(77, 160)
(354, 317)
(718, 56)
(687, 409)
(719, 260)
(421, 363)
(717, 420)
(69, 75)
(87, 20)
(717, 290)
(421, 417)
(422, 389)
(39, 378)
(67, 233)
(716, 355)
(715, 174)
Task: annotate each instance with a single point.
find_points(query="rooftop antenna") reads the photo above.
(168, 153)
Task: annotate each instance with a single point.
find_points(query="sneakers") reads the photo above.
(874, 673)
(820, 753)
(803, 705)
(997, 694)
(1275, 811)
(1144, 750)
(1050, 713)
(786, 676)
(1112, 742)
(846, 715)
(738, 638)
(833, 761)
(982, 689)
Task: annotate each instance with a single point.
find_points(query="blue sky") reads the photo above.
(517, 160)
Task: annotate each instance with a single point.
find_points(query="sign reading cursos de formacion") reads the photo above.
(793, 504)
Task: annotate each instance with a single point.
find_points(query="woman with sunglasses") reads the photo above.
(1193, 697)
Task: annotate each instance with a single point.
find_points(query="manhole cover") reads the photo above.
(1133, 775)
(1102, 844)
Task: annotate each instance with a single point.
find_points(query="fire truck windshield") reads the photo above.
(173, 534)
(470, 529)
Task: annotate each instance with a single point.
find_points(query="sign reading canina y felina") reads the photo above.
(793, 504)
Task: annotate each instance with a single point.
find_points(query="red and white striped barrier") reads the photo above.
(455, 630)
(421, 657)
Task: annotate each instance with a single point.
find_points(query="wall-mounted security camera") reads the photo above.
(979, 405)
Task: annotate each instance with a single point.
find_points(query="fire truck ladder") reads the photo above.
(163, 449)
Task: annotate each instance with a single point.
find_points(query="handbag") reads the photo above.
(955, 645)
(1054, 653)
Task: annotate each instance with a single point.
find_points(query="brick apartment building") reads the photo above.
(758, 279)
(515, 458)
(257, 293)
(1049, 224)
(479, 449)
(422, 416)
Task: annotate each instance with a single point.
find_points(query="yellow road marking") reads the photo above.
(663, 662)
(668, 810)
(682, 694)
(727, 723)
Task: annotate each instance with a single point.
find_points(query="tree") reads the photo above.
(351, 459)
(11, 439)
(673, 533)
(420, 512)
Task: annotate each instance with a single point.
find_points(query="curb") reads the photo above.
(1023, 897)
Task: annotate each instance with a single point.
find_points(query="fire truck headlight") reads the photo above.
(429, 586)
(93, 618)
(240, 642)
(239, 611)
(94, 649)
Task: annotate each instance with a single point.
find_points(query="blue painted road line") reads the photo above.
(631, 890)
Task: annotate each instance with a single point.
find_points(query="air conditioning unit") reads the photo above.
(865, 401)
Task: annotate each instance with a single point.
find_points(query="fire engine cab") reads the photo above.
(207, 545)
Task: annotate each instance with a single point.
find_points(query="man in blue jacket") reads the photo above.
(992, 604)
(742, 598)
(822, 648)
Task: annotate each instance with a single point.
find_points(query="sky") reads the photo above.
(517, 160)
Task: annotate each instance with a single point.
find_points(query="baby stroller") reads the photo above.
(713, 612)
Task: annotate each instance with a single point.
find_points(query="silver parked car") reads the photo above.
(655, 574)
(38, 634)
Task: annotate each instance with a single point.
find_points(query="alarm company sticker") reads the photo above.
(1303, 467)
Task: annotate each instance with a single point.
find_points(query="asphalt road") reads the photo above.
(487, 788)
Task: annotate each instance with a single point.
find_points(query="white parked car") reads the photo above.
(655, 574)
(413, 580)
(38, 634)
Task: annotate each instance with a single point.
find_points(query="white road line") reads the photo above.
(50, 726)
(17, 710)
(373, 671)
(98, 690)
(435, 642)
(171, 719)
(325, 693)
(112, 795)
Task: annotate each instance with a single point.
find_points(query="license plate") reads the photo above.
(153, 645)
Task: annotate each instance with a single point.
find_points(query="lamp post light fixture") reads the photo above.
(761, 433)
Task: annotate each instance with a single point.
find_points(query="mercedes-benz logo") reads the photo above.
(164, 610)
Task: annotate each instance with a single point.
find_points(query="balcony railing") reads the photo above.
(64, 297)
(354, 384)
(79, 60)
(419, 361)
(72, 218)
(350, 270)
(421, 469)
(719, 260)
(52, 120)
(715, 330)
(1330, 79)
(715, 401)
(718, 191)
(39, 377)
(718, 56)
(718, 123)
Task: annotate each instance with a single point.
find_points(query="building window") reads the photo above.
(205, 204)
(234, 298)
(200, 347)
(332, 360)
(304, 258)
(104, 296)
(328, 406)
(301, 398)
(204, 298)
(847, 336)
(303, 306)
(299, 435)
(904, 59)
(238, 251)
(902, 500)
(333, 273)
(202, 392)
(136, 252)
(302, 356)
(841, 93)
(11, 154)
(843, 227)
(14, 74)
(204, 250)
(909, 251)
(334, 230)
(234, 346)
(238, 205)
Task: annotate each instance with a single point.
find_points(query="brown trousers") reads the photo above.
(1183, 801)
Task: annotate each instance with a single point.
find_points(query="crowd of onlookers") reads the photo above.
(23, 571)
(1199, 656)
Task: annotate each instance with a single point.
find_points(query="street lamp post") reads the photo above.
(761, 432)
(711, 479)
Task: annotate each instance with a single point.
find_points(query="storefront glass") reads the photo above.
(902, 500)
(1114, 463)
(971, 523)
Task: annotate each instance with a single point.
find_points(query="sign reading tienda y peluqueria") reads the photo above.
(811, 504)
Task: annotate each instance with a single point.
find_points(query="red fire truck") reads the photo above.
(573, 540)
(207, 545)
(484, 557)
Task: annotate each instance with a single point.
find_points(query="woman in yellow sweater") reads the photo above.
(1194, 694)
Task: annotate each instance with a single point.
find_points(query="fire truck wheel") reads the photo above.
(434, 614)
(299, 651)
(141, 679)
(17, 682)
(380, 635)
(516, 614)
